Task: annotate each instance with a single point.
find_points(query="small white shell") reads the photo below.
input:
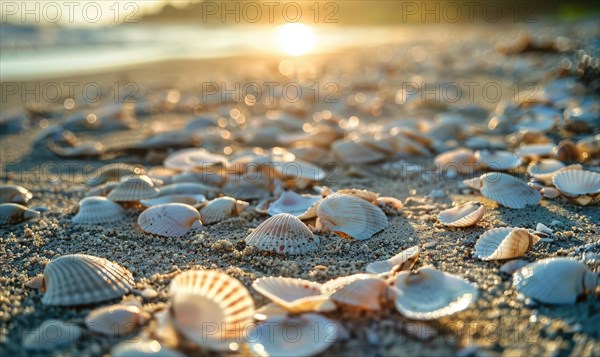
(430, 294)
(188, 188)
(498, 159)
(508, 191)
(544, 169)
(220, 209)
(334, 285)
(512, 266)
(80, 279)
(292, 203)
(114, 172)
(298, 173)
(141, 348)
(14, 194)
(364, 294)
(459, 161)
(352, 152)
(399, 262)
(169, 220)
(133, 189)
(578, 184)
(555, 280)
(206, 160)
(180, 160)
(350, 216)
(464, 215)
(115, 320)
(192, 200)
(283, 234)
(50, 335)
(294, 295)
(549, 192)
(504, 243)
(98, 210)
(12, 213)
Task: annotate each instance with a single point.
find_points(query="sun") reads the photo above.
(295, 39)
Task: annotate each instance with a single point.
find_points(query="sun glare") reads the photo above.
(295, 39)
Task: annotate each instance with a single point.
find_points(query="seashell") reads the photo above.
(188, 188)
(508, 190)
(430, 294)
(270, 310)
(542, 228)
(582, 186)
(315, 334)
(246, 191)
(192, 200)
(293, 203)
(294, 295)
(364, 194)
(544, 169)
(180, 160)
(464, 215)
(210, 297)
(351, 152)
(133, 189)
(13, 213)
(143, 347)
(350, 216)
(364, 294)
(98, 210)
(589, 147)
(206, 160)
(535, 151)
(169, 219)
(14, 194)
(102, 190)
(79, 279)
(566, 150)
(459, 161)
(334, 285)
(389, 205)
(399, 262)
(116, 320)
(50, 335)
(497, 160)
(220, 209)
(298, 173)
(549, 192)
(504, 243)
(114, 172)
(555, 280)
(512, 266)
(283, 234)
(474, 183)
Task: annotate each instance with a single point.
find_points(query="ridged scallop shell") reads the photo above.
(365, 294)
(459, 161)
(464, 215)
(80, 279)
(188, 188)
(350, 216)
(294, 295)
(51, 335)
(578, 184)
(504, 243)
(293, 203)
(334, 285)
(192, 200)
(133, 189)
(13, 213)
(115, 320)
(352, 152)
(430, 294)
(544, 169)
(508, 191)
(220, 209)
(283, 234)
(200, 298)
(555, 280)
(98, 210)
(113, 172)
(141, 348)
(399, 262)
(497, 159)
(14, 194)
(313, 335)
(169, 220)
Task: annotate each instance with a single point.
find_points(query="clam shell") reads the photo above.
(294, 295)
(203, 298)
(459, 161)
(221, 209)
(364, 294)
(573, 183)
(399, 262)
(14, 194)
(504, 243)
(98, 210)
(544, 169)
(350, 216)
(169, 220)
(430, 294)
(497, 159)
(283, 234)
(133, 189)
(115, 320)
(464, 215)
(189, 199)
(292, 203)
(352, 152)
(50, 335)
(12, 213)
(113, 172)
(141, 348)
(508, 190)
(188, 188)
(80, 279)
(555, 280)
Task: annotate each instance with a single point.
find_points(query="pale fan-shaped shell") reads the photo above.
(504, 243)
(574, 183)
(189, 199)
(292, 203)
(364, 293)
(294, 295)
(333, 285)
(14, 194)
(544, 169)
(508, 191)
(141, 348)
(315, 334)
(430, 294)
(80, 279)
(555, 280)
(465, 215)
(220, 209)
(351, 216)
(497, 160)
(208, 297)
(169, 220)
(399, 262)
(50, 335)
(98, 210)
(461, 161)
(12, 213)
(188, 188)
(284, 234)
(352, 152)
(113, 172)
(115, 320)
(133, 189)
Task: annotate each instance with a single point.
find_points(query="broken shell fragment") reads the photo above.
(283, 234)
(350, 216)
(169, 220)
(98, 210)
(220, 209)
(508, 191)
(133, 189)
(13, 213)
(115, 320)
(504, 243)
(294, 295)
(465, 215)
(399, 262)
(14, 194)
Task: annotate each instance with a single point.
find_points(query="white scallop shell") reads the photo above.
(504, 243)
(220, 209)
(133, 189)
(98, 210)
(284, 234)
(365, 294)
(573, 183)
(544, 169)
(294, 295)
(497, 159)
(12, 213)
(188, 188)
(115, 320)
(508, 191)
(430, 294)
(50, 335)
(14, 194)
(399, 262)
(464, 215)
(203, 298)
(460, 161)
(350, 216)
(141, 348)
(555, 280)
(292, 203)
(188, 199)
(352, 152)
(80, 279)
(169, 220)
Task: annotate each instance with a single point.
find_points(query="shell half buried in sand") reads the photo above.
(464, 215)
(508, 191)
(98, 210)
(404, 260)
(294, 295)
(582, 186)
(350, 216)
(220, 209)
(283, 234)
(12, 213)
(504, 243)
(169, 220)
(292, 203)
(133, 189)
